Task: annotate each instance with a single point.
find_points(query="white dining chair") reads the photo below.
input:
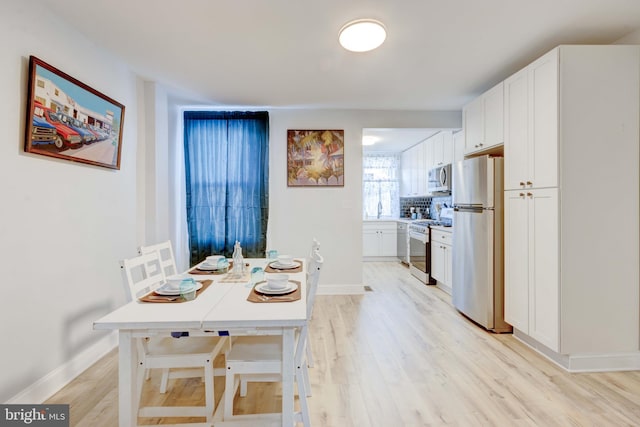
(314, 255)
(259, 358)
(165, 251)
(194, 356)
(169, 267)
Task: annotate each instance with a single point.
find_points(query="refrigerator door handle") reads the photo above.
(472, 209)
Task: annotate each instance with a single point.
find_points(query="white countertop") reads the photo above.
(407, 220)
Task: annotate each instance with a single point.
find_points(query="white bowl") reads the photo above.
(285, 259)
(173, 282)
(277, 281)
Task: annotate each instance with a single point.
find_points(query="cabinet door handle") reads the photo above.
(521, 194)
(529, 183)
(529, 194)
(521, 183)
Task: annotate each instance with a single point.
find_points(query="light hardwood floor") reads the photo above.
(401, 355)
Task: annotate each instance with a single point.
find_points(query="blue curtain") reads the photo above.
(227, 174)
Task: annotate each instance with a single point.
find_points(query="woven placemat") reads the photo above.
(270, 269)
(153, 297)
(255, 296)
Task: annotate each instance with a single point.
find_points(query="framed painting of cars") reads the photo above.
(69, 120)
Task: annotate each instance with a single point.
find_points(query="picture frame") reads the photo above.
(69, 120)
(315, 158)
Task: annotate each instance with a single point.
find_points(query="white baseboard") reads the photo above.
(340, 289)
(597, 362)
(604, 362)
(51, 383)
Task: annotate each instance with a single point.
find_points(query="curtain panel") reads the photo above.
(381, 185)
(227, 182)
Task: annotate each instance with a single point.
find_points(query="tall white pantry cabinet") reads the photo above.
(572, 206)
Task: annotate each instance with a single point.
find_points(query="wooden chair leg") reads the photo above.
(140, 375)
(305, 378)
(165, 380)
(302, 396)
(209, 390)
(229, 394)
(243, 386)
(309, 355)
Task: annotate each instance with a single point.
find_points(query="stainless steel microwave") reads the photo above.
(440, 180)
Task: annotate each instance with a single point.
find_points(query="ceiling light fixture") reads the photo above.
(369, 140)
(362, 35)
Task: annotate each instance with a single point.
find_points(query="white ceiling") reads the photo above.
(285, 53)
(395, 139)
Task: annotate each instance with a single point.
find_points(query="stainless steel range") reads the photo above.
(420, 248)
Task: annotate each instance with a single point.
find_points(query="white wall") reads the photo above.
(63, 225)
(332, 214)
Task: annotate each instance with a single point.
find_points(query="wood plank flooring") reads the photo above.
(401, 355)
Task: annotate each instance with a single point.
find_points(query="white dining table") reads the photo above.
(221, 309)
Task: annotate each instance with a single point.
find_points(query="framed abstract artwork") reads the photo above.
(69, 120)
(315, 158)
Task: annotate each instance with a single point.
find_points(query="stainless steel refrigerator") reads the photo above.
(478, 268)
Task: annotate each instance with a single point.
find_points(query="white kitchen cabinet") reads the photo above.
(441, 255)
(441, 148)
(473, 118)
(421, 169)
(531, 125)
(379, 239)
(458, 146)
(408, 164)
(483, 121)
(414, 171)
(531, 264)
(572, 120)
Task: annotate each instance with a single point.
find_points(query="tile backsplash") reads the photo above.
(423, 203)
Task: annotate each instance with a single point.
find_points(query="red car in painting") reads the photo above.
(65, 136)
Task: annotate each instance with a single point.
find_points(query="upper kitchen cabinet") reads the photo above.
(531, 125)
(483, 121)
(414, 171)
(458, 146)
(440, 149)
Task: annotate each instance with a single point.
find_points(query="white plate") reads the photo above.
(263, 288)
(163, 291)
(207, 267)
(278, 266)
